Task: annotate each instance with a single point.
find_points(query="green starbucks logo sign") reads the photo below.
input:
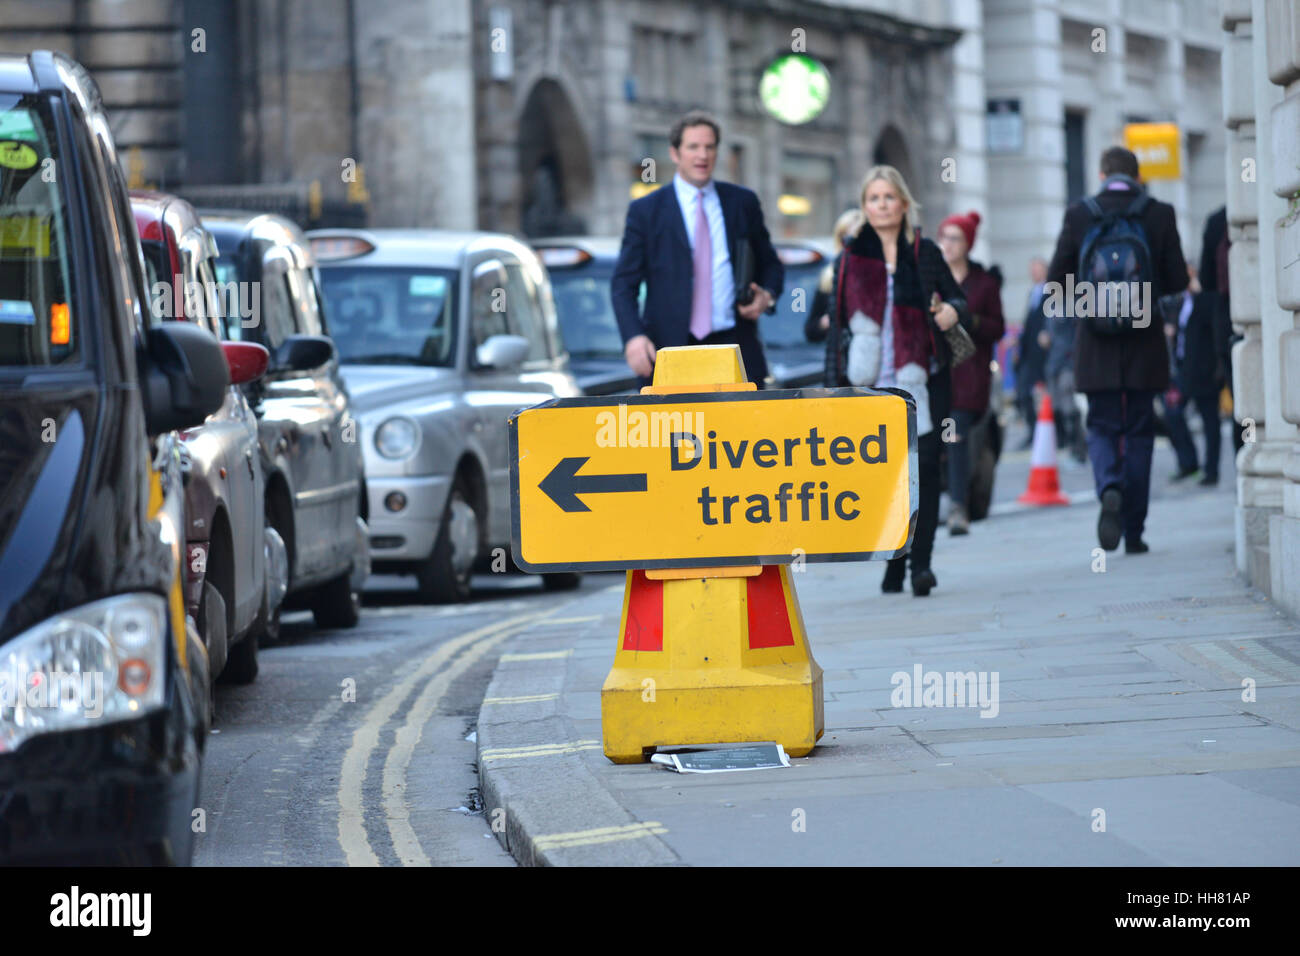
(795, 88)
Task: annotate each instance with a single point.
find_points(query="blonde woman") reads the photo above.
(894, 297)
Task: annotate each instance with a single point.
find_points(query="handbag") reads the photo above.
(960, 344)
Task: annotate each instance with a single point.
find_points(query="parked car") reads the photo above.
(580, 268)
(103, 683)
(236, 567)
(792, 360)
(442, 336)
(310, 452)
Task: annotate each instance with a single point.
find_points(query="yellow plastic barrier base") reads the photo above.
(715, 679)
(710, 659)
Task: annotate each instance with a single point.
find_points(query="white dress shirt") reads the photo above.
(724, 283)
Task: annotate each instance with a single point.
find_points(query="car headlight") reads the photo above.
(397, 438)
(95, 664)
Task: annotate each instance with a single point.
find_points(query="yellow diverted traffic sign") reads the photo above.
(713, 479)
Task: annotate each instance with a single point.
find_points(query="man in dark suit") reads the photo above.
(1200, 331)
(688, 242)
(1122, 374)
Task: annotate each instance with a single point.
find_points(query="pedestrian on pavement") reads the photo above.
(1213, 275)
(1031, 349)
(1059, 374)
(702, 250)
(971, 380)
(819, 319)
(1121, 361)
(1198, 376)
(894, 298)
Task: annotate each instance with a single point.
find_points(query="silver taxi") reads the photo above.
(441, 337)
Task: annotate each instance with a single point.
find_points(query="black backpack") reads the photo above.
(1115, 251)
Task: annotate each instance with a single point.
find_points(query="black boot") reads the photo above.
(922, 582)
(895, 571)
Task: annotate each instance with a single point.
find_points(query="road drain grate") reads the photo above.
(1179, 604)
(1264, 660)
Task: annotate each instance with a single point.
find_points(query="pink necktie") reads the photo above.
(702, 300)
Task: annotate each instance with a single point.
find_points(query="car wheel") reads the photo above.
(561, 581)
(241, 662)
(277, 572)
(337, 603)
(445, 577)
(212, 617)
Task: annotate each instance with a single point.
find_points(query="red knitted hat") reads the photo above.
(967, 224)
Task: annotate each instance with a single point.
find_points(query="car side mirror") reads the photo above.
(248, 361)
(184, 377)
(502, 351)
(303, 353)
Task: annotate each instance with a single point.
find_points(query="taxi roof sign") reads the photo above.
(713, 479)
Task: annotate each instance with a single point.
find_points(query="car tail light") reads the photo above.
(330, 248)
(795, 256)
(563, 257)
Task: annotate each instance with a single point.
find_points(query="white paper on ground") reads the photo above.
(724, 759)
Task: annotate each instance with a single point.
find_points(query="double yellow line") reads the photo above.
(365, 740)
(631, 831)
(537, 750)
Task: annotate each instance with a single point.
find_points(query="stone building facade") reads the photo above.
(1261, 105)
(577, 101)
(1080, 70)
(530, 116)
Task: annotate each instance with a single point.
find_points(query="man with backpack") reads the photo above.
(1120, 240)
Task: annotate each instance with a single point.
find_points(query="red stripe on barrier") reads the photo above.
(645, 615)
(769, 619)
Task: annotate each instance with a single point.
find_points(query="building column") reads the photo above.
(1243, 266)
(970, 188)
(1022, 55)
(1105, 122)
(1172, 90)
(1253, 209)
(1280, 281)
(858, 68)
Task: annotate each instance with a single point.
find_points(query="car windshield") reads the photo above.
(391, 315)
(38, 326)
(784, 328)
(586, 313)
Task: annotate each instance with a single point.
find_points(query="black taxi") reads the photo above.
(103, 681)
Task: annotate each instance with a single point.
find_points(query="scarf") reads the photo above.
(864, 284)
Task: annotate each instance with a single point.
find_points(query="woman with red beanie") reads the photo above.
(971, 380)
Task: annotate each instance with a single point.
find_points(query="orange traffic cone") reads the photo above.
(1044, 486)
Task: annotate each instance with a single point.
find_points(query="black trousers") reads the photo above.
(1180, 436)
(927, 517)
(1121, 436)
(959, 463)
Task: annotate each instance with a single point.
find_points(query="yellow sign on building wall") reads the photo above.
(1156, 146)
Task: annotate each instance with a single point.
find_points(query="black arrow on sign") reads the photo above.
(563, 484)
